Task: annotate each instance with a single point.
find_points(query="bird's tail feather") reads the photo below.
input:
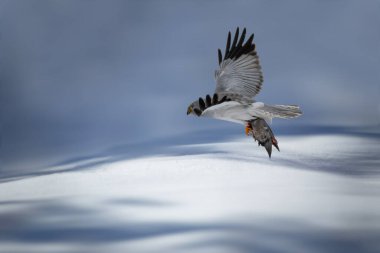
(282, 111)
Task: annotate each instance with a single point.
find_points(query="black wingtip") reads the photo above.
(220, 57)
(215, 99)
(244, 32)
(202, 104)
(233, 46)
(197, 112)
(208, 101)
(228, 45)
(246, 48)
(222, 100)
(237, 48)
(249, 41)
(242, 37)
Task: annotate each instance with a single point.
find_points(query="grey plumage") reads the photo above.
(263, 134)
(238, 80)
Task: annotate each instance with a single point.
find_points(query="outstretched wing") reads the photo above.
(240, 70)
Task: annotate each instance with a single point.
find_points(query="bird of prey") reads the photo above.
(239, 79)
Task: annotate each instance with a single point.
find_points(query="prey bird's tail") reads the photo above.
(263, 134)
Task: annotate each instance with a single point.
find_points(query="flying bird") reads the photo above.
(238, 80)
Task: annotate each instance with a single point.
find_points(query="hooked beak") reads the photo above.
(189, 110)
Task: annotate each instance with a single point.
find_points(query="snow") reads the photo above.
(319, 194)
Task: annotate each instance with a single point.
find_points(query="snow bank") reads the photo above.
(319, 194)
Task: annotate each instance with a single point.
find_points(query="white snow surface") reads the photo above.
(321, 193)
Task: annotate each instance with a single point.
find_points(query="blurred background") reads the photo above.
(79, 76)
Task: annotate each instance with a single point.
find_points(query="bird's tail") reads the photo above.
(281, 111)
(263, 134)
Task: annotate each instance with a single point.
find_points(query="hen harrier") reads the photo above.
(238, 80)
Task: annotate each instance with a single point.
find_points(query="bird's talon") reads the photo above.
(248, 129)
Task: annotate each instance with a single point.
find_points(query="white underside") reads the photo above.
(236, 112)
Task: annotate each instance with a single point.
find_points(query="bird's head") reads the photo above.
(190, 109)
(193, 108)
